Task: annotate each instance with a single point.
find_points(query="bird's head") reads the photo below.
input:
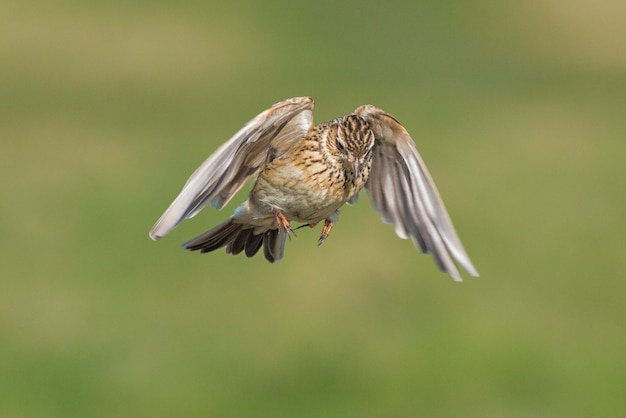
(350, 143)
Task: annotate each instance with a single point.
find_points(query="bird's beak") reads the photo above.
(356, 168)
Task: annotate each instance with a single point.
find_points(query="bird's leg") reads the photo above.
(282, 222)
(328, 225)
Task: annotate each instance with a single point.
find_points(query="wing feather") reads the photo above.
(268, 135)
(403, 191)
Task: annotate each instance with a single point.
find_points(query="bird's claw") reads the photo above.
(328, 225)
(283, 223)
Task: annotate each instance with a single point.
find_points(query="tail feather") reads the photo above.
(274, 244)
(215, 238)
(239, 238)
(238, 244)
(268, 246)
(253, 244)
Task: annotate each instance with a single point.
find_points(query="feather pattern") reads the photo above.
(305, 173)
(270, 134)
(403, 191)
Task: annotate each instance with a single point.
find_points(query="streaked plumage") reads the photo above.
(305, 173)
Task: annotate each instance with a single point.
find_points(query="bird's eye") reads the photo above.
(340, 146)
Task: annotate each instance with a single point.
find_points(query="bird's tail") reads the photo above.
(238, 237)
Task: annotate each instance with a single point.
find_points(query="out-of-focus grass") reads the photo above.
(106, 108)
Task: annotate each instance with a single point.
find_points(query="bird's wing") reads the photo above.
(266, 136)
(404, 193)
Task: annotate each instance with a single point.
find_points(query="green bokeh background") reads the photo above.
(518, 108)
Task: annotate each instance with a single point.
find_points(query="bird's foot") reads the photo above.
(328, 225)
(283, 223)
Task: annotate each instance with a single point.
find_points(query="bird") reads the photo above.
(305, 173)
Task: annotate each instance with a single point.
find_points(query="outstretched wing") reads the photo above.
(404, 193)
(268, 135)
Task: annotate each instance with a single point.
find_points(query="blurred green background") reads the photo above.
(517, 108)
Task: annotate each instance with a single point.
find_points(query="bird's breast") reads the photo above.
(306, 186)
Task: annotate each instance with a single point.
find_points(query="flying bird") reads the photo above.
(305, 173)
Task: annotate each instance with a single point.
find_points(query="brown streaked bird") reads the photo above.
(305, 173)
